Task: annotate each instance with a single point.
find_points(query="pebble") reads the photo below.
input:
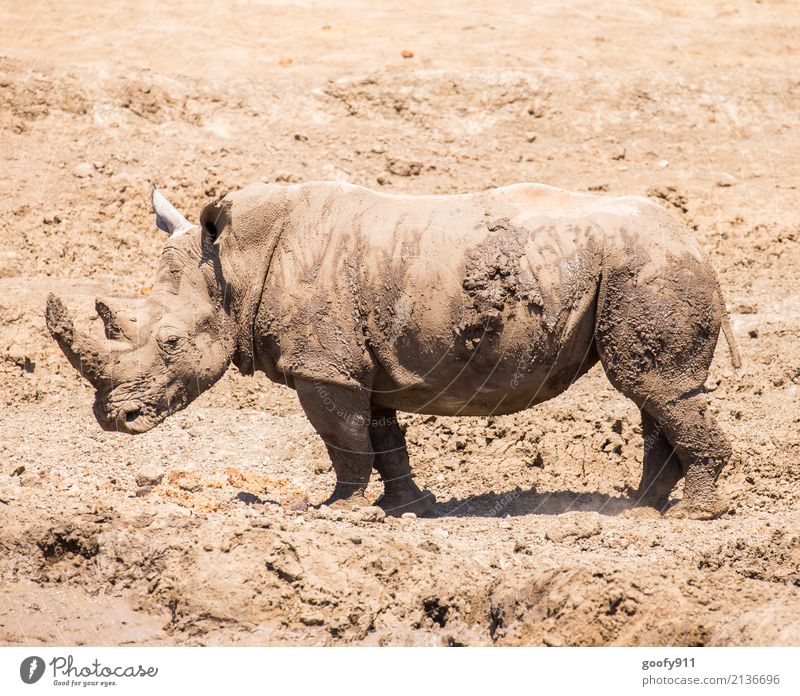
(553, 640)
(82, 170)
(149, 477)
(299, 504)
(190, 483)
(408, 516)
(726, 180)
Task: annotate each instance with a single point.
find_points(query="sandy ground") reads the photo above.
(692, 103)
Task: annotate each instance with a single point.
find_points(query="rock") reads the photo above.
(402, 167)
(149, 476)
(82, 170)
(312, 618)
(190, 483)
(726, 180)
(553, 640)
(7, 494)
(530, 137)
(744, 309)
(142, 491)
(408, 516)
(440, 533)
(299, 504)
(407, 54)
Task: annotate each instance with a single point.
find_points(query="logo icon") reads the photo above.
(31, 669)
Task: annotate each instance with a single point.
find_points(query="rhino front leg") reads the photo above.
(400, 493)
(341, 418)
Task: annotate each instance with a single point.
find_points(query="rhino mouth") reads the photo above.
(130, 417)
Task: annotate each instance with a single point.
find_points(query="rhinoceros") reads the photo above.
(368, 303)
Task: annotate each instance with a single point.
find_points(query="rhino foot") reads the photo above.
(685, 510)
(397, 502)
(352, 502)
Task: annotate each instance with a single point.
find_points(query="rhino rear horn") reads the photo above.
(168, 218)
(87, 356)
(117, 326)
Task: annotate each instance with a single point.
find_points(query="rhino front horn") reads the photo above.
(168, 218)
(86, 355)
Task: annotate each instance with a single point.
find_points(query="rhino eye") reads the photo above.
(169, 343)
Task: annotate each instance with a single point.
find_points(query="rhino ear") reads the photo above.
(212, 219)
(168, 218)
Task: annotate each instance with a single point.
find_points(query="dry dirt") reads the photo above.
(693, 103)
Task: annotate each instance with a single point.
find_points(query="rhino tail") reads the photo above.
(733, 348)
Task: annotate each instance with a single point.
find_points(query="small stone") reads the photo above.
(143, 491)
(407, 54)
(440, 533)
(190, 484)
(402, 167)
(745, 309)
(663, 164)
(313, 618)
(553, 640)
(726, 180)
(149, 477)
(82, 170)
(530, 137)
(302, 137)
(408, 516)
(299, 504)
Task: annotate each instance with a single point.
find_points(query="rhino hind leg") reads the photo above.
(656, 341)
(400, 494)
(703, 449)
(341, 418)
(661, 466)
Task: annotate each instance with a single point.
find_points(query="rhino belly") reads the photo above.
(504, 372)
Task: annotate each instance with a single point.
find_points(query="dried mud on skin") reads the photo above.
(198, 532)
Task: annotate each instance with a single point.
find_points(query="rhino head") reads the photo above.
(179, 343)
